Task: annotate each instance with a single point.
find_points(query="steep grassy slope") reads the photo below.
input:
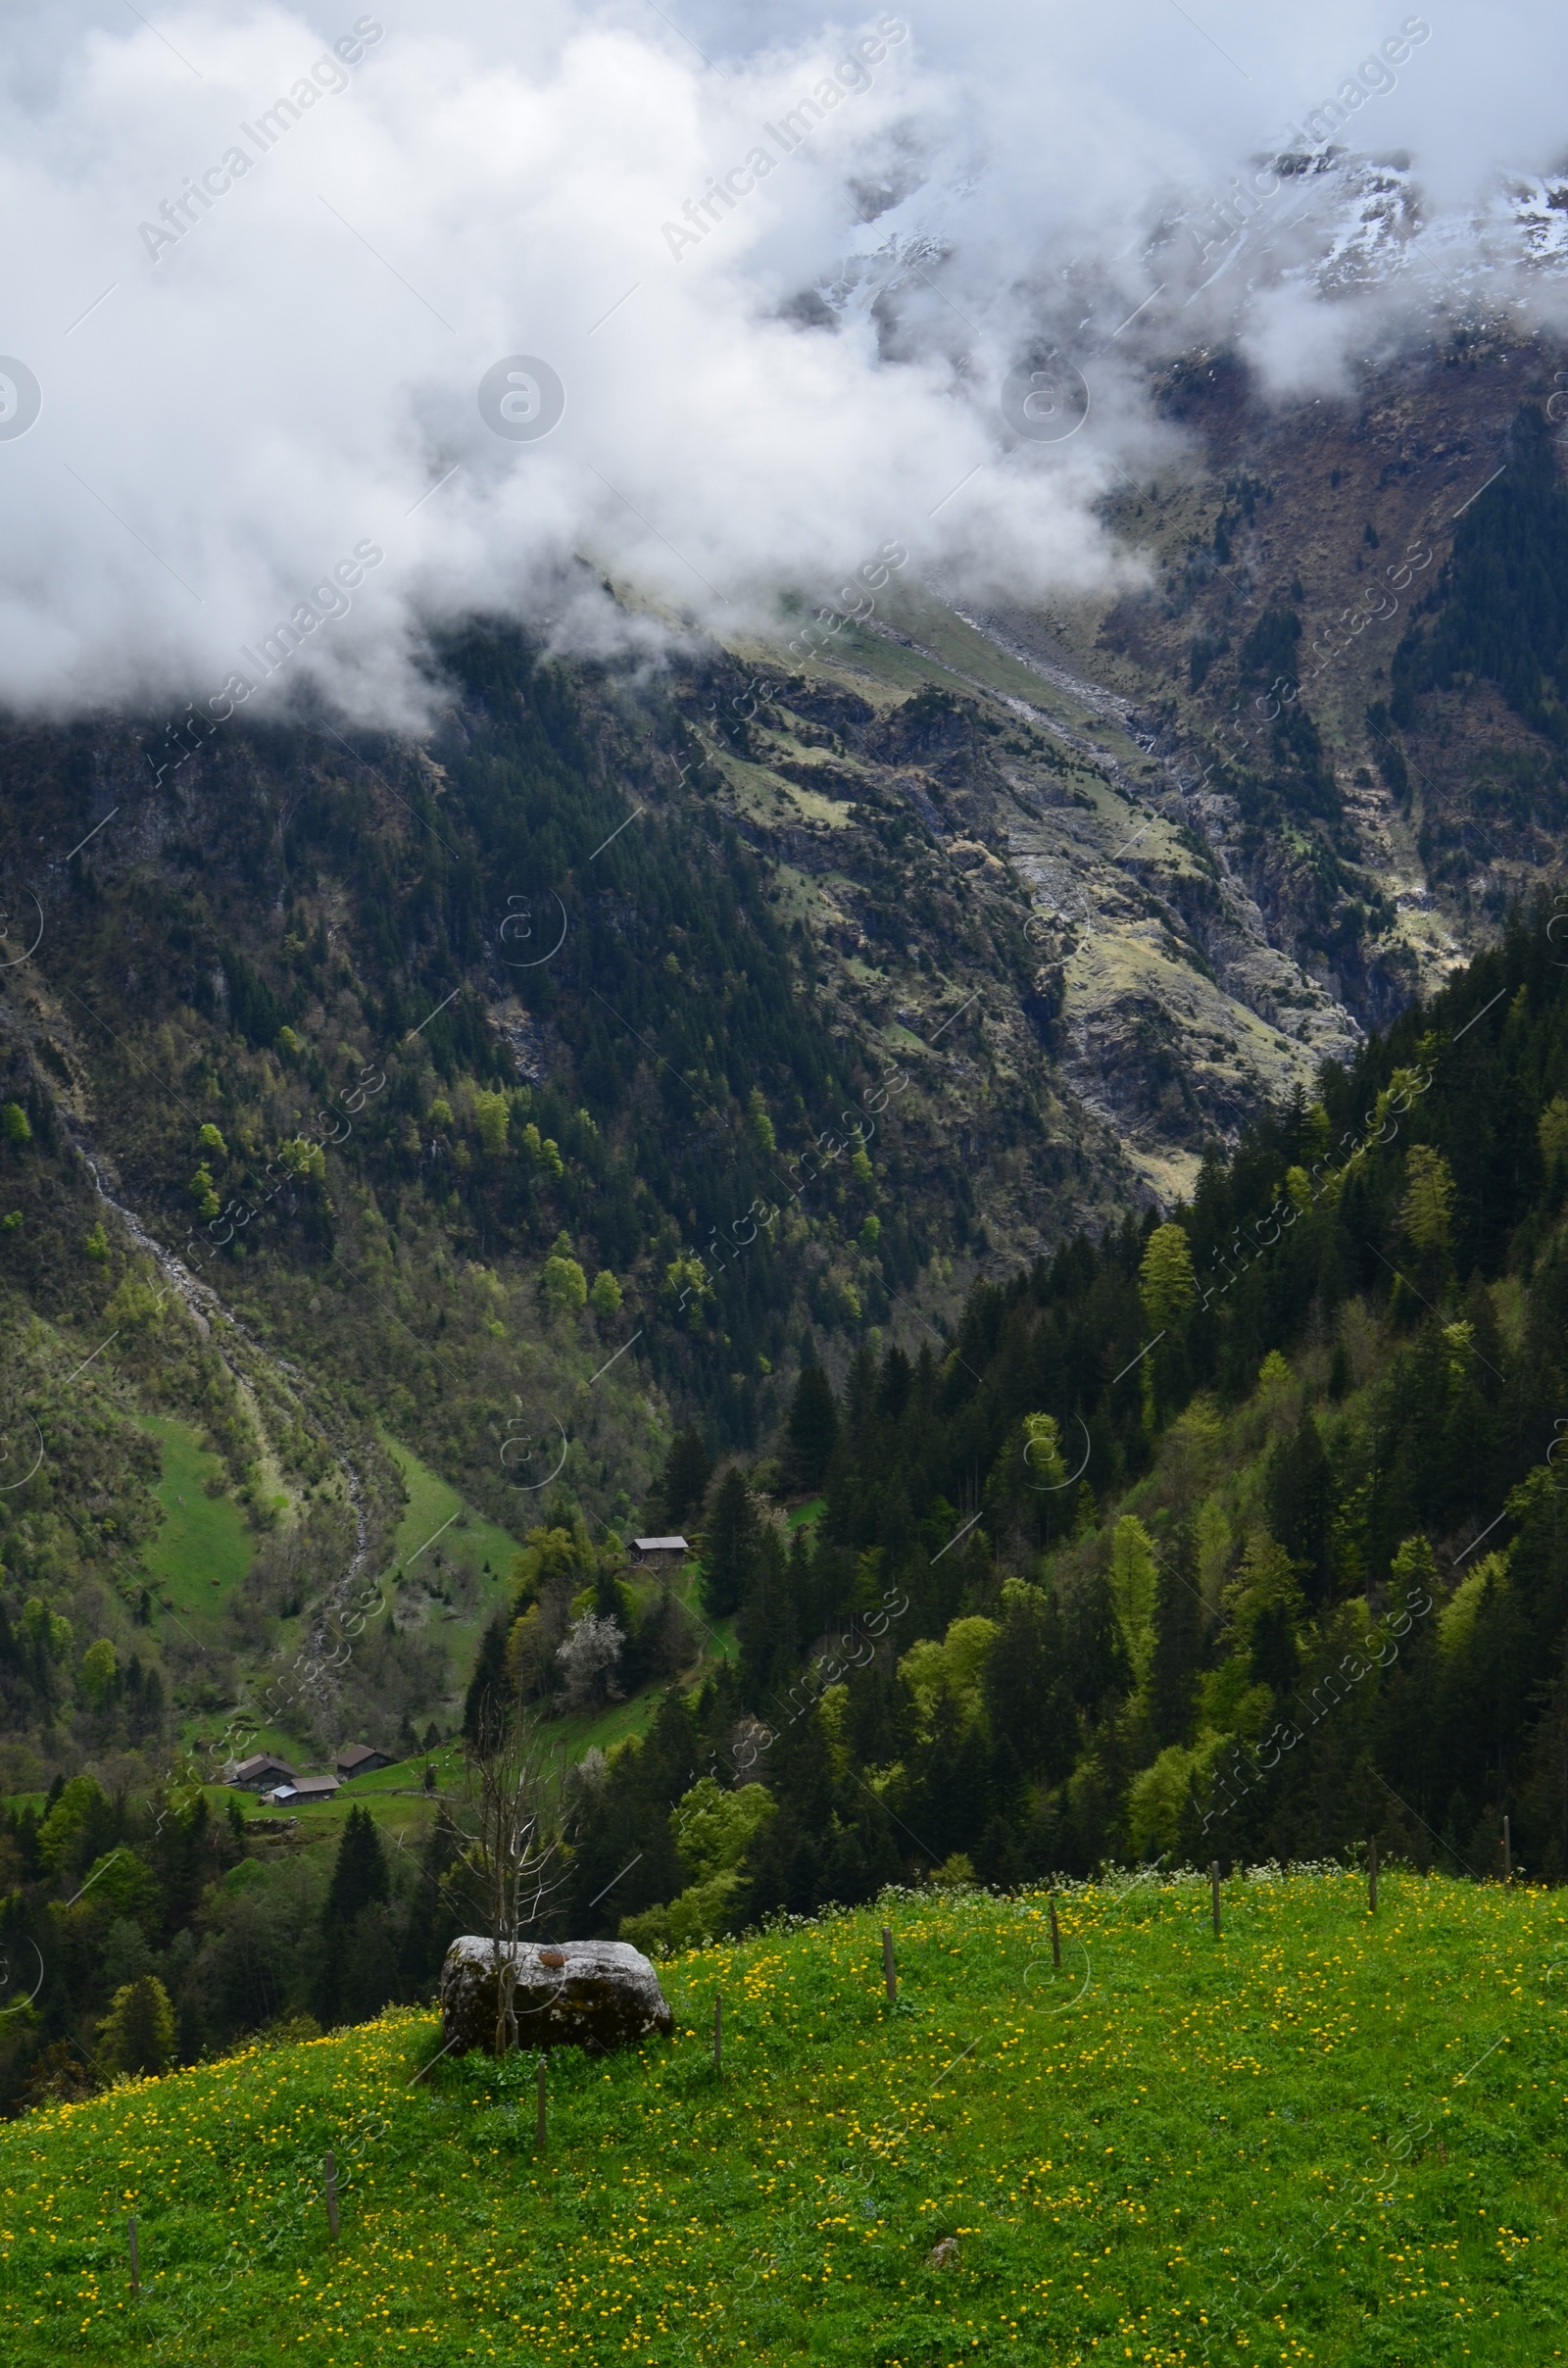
(1319, 2138)
(203, 1547)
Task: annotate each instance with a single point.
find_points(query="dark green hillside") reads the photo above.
(1235, 1533)
(1479, 680)
(1501, 602)
(382, 1031)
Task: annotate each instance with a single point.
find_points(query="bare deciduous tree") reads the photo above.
(513, 1830)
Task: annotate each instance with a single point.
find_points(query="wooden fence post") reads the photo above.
(329, 2166)
(135, 2264)
(1372, 1873)
(1055, 1935)
(1508, 1850)
(888, 1966)
(1213, 1886)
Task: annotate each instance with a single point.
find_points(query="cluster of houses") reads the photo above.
(275, 1781)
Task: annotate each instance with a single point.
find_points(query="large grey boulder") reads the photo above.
(597, 1995)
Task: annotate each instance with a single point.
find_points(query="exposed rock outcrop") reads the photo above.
(597, 1995)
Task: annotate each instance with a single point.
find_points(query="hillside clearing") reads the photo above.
(204, 1545)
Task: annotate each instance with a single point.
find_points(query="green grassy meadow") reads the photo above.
(436, 1515)
(1319, 2138)
(204, 1544)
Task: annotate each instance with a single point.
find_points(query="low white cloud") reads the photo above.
(785, 275)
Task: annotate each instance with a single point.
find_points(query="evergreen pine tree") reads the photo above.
(1168, 1289)
(486, 1703)
(182, 1849)
(1301, 1506)
(811, 1431)
(896, 1385)
(683, 1482)
(137, 2034)
(765, 1626)
(1178, 1645)
(1018, 1674)
(355, 1970)
(360, 1871)
(431, 1922)
(730, 1539)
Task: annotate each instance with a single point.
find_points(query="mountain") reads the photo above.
(495, 1101)
(738, 1094)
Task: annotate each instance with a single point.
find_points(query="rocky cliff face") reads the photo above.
(1226, 859)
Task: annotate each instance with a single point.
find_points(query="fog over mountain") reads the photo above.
(280, 282)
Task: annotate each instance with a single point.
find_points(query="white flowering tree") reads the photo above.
(589, 1659)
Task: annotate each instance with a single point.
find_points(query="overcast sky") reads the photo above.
(280, 278)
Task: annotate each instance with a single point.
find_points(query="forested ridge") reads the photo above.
(1236, 1533)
